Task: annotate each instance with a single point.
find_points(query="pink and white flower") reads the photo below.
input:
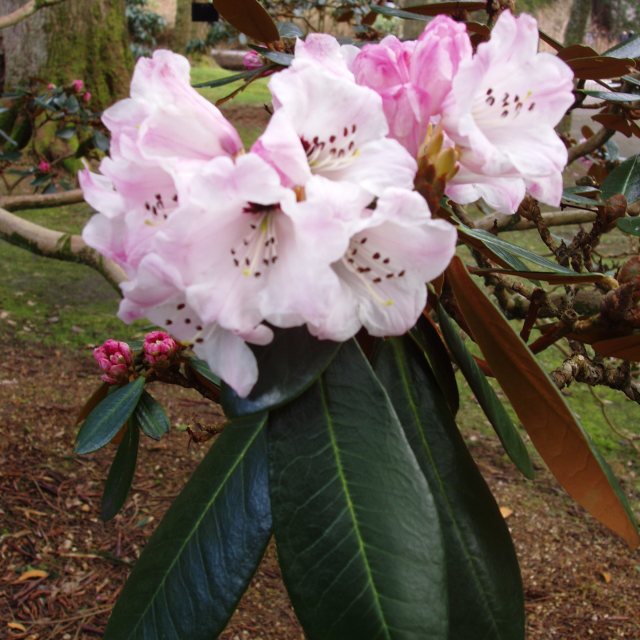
(501, 113)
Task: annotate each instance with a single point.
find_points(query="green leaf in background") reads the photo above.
(624, 179)
(573, 195)
(356, 527)
(199, 561)
(484, 584)
(428, 339)
(627, 49)
(202, 368)
(486, 396)
(151, 417)
(612, 96)
(219, 82)
(120, 476)
(289, 30)
(287, 366)
(108, 417)
(629, 225)
(279, 57)
(398, 13)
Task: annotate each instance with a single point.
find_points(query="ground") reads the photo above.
(61, 568)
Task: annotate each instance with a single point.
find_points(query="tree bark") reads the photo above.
(411, 29)
(77, 39)
(578, 22)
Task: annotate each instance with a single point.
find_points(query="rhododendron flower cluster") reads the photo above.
(159, 349)
(318, 223)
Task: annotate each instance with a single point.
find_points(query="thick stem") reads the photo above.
(25, 11)
(40, 201)
(58, 245)
(589, 145)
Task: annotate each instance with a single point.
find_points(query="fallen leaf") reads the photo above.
(606, 576)
(16, 626)
(505, 512)
(32, 573)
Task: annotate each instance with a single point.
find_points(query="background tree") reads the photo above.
(75, 39)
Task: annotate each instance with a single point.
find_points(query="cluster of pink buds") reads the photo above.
(115, 360)
(251, 60)
(44, 166)
(159, 349)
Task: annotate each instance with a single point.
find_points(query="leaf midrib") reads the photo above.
(193, 531)
(351, 508)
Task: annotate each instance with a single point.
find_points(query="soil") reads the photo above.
(580, 581)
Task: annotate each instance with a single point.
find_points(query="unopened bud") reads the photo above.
(86, 97)
(77, 85)
(44, 166)
(251, 60)
(115, 360)
(159, 349)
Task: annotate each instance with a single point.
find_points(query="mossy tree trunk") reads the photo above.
(578, 22)
(182, 29)
(78, 39)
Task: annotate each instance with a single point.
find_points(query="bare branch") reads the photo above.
(55, 244)
(589, 145)
(40, 201)
(25, 11)
(506, 222)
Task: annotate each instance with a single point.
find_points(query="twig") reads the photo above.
(603, 409)
(506, 222)
(25, 11)
(39, 201)
(589, 145)
(55, 244)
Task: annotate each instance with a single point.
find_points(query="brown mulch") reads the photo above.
(61, 567)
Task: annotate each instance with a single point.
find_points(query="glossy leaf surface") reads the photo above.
(629, 225)
(485, 589)
(201, 558)
(249, 17)
(151, 417)
(287, 366)
(553, 429)
(108, 417)
(486, 397)
(625, 347)
(624, 179)
(356, 526)
(120, 476)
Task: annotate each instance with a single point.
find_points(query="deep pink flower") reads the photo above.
(251, 60)
(414, 77)
(86, 97)
(115, 360)
(159, 348)
(77, 85)
(44, 166)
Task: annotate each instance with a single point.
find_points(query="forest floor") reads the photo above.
(61, 567)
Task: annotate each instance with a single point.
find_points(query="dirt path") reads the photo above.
(580, 582)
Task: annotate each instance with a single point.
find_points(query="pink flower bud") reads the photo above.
(115, 360)
(86, 98)
(44, 166)
(77, 85)
(159, 348)
(251, 60)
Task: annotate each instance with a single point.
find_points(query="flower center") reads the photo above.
(334, 152)
(258, 249)
(496, 105)
(156, 208)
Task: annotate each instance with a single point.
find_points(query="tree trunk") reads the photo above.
(78, 39)
(578, 22)
(411, 29)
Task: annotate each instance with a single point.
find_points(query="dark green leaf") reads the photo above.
(108, 417)
(631, 80)
(355, 523)
(612, 96)
(280, 58)
(10, 156)
(202, 368)
(486, 396)
(514, 255)
(575, 197)
(151, 417)
(429, 340)
(287, 366)
(624, 179)
(399, 13)
(243, 75)
(198, 563)
(629, 225)
(121, 473)
(101, 141)
(290, 30)
(40, 180)
(67, 133)
(484, 585)
(627, 49)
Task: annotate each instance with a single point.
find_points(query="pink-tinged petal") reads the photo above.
(547, 189)
(321, 49)
(502, 194)
(229, 357)
(281, 147)
(100, 193)
(324, 109)
(379, 165)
